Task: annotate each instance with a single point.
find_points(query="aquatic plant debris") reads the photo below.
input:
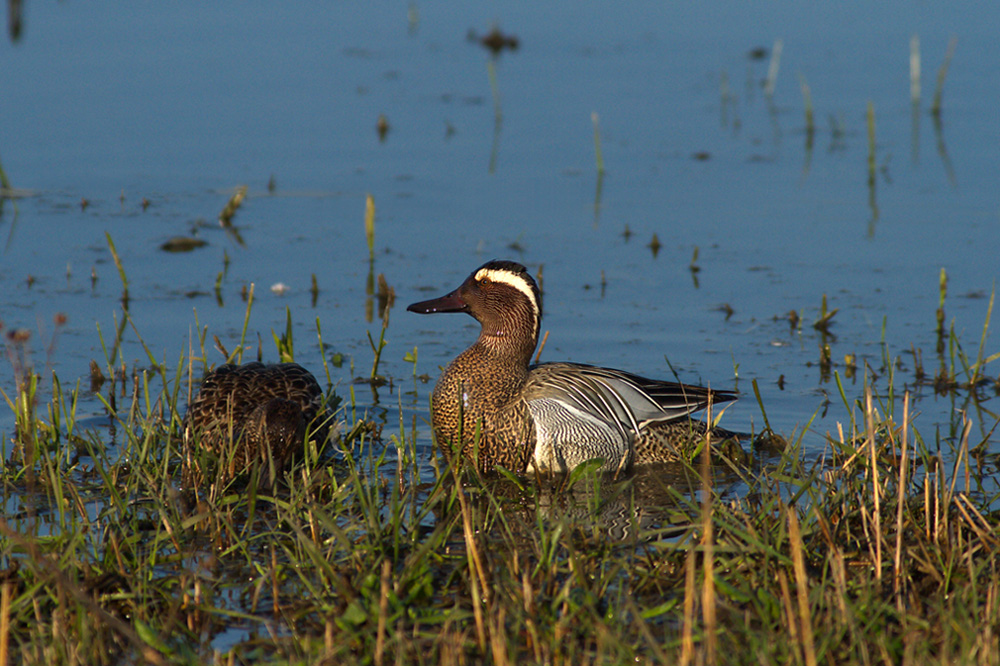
(182, 244)
(234, 203)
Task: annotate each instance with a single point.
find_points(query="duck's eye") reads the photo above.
(484, 281)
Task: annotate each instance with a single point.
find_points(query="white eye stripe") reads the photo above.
(512, 279)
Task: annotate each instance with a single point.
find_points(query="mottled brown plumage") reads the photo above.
(671, 441)
(497, 409)
(251, 413)
(476, 402)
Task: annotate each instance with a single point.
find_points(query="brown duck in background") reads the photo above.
(500, 410)
(252, 413)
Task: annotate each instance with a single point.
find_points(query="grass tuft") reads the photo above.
(370, 225)
(598, 156)
(772, 68)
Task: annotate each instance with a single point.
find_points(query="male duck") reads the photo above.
(252, 412)
(552, 416)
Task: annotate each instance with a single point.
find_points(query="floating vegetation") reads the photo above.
(872, 200)
(772, 68)
(870, 124)
(386, 294)
(693, 266)
(598, 156)
(495, 41)
(808, 105)
(941, 76)
(234, 203)
(822, 323)
(370, 226)
(654, 245)
(727, 310)
(313, 288)
(182, 244)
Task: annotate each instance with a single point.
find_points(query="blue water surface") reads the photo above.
(178, 104)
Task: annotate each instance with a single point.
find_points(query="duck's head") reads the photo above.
(503, 298)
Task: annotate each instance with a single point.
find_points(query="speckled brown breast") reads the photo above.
(477, 401)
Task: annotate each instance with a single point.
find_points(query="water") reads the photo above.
(179, 105)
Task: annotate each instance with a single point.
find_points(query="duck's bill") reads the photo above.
(449, 303)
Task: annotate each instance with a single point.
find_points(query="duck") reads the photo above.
(251, 413)
(493, 407)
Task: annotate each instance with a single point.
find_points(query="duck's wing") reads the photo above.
(619, 397)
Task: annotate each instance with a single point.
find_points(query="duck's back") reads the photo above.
(252, 412)
(233, 392)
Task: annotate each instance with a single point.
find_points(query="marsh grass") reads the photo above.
(807, 103)
(915, 70)
(598, 155)
(883, 550)
(771, 81)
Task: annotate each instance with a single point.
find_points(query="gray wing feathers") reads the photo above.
(567, 437)
(582, 412)
(618, 396)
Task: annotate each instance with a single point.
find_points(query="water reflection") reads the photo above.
(942, 149)
(654, 502)
(598, 188)
(810, 130)
(14, 22)
(872, 201)
(915, 98)
(491, 71)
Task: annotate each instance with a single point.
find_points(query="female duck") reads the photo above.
(494, 408)
(252, 413)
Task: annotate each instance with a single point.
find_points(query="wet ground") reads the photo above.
(720, 209)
